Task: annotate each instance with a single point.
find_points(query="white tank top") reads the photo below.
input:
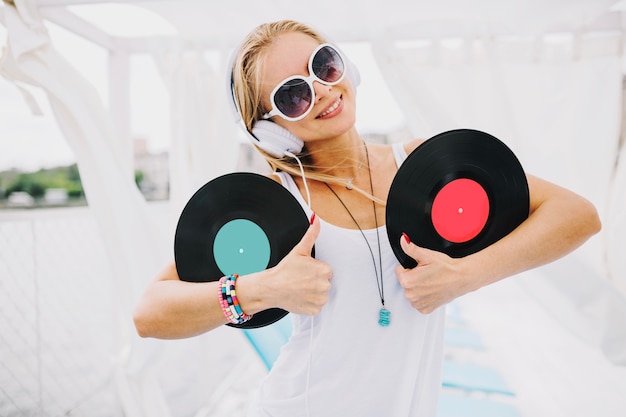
(342, 362)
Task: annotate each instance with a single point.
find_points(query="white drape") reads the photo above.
(557, 103)
(127, 229)
(615, 225)
(204, 143)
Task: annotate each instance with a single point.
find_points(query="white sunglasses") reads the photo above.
(293, 98)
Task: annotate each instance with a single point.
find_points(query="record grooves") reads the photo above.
(457, 193)
(238, 223)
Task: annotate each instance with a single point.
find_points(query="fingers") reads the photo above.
(303, 282)
(419, 254)
(427, 286)
(305, 245)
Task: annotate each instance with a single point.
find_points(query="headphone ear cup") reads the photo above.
(275, 139)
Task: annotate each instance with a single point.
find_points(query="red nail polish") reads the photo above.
(312, 217)
(406, 237)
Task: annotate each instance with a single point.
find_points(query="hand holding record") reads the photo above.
(433, 283)
(303, 281)
(238, 223)
(457, 193)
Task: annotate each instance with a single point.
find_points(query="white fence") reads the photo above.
(58, 312)
(56, 305)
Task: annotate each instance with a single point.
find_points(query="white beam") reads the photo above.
(119, 107)
(61, 3)
(78, 26)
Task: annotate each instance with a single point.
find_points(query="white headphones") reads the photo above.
(267, 135)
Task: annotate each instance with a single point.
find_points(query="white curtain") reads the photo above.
(204, 140)
(615, 225)
(556, 101)
(128, 232)
(204, 145)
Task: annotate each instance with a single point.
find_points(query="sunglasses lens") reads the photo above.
(328, 65)
(293, 98)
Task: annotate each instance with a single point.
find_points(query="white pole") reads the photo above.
(119, 105)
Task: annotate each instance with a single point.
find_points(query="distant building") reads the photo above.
(153, 169)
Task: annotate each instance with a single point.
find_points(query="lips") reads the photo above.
(331, 108)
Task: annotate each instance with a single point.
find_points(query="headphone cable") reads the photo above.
(308, 370)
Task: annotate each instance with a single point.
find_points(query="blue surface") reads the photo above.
(268, 340)
(462, 337)
(471, 377)
(463, 406)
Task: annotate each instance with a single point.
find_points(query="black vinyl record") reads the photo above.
(238, 223)
(457, 193)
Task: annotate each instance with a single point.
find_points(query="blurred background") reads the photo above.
(112, 114)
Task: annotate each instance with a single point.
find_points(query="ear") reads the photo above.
(275, 139)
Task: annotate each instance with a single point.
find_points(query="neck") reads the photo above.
(342, 156)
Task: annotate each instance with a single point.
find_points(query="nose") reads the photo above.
(321, 90)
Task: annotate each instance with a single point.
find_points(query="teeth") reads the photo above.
(331, 108)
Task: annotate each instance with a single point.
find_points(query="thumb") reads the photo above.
(305, 245)
(418, 253)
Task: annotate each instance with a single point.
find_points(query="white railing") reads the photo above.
(56, 308)
(58, 312)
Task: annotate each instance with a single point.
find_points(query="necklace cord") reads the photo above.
(380, 256)
(349, 185)
(379, 277)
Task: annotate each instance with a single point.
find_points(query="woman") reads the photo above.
(367, 336)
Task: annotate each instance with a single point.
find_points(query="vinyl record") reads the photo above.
(238, 223)
(457, 193)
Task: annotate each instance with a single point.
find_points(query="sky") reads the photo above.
(29, 142)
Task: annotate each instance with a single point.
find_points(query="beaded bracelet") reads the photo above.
(229, 302)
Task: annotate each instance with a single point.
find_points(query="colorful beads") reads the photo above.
(229, 302)
(384, 317)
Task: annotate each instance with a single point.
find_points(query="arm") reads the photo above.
(559, 222)
(174, 309)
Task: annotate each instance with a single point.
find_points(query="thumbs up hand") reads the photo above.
(300, 283)
(436, 280)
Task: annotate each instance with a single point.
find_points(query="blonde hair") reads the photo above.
(247, 70)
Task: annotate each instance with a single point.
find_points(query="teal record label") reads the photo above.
(241, 247)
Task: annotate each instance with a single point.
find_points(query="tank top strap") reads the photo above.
(291, 186)
(399, 153)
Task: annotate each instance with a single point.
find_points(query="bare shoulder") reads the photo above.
(410, 146)
(274, 177)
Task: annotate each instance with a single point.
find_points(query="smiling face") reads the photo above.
(333, 111)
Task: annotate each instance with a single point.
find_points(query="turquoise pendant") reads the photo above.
(384, 317)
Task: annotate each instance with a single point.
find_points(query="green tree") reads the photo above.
(36, 183)
(139, 176)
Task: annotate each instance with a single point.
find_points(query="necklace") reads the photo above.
(384, 315)
(349, 185)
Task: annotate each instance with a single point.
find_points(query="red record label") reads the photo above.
(460, 210)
